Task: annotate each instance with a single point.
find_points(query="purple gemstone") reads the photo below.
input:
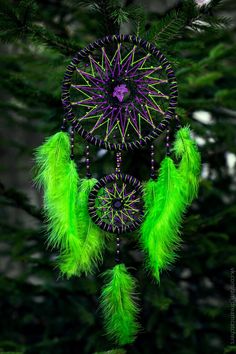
(120, 91)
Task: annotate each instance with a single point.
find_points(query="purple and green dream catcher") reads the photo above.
(120, 94)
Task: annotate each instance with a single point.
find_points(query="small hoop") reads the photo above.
(115, 203)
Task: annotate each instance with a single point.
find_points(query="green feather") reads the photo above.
(85, 257)
(66, 208)
(190, 163)
(58, 176)
(166, 201)
(160, 235)
(118, 305)
(150, 194)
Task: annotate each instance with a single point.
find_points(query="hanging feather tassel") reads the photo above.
(165, 202)
(84, 257)
(118, 305)
(160, 230)
(58, 176)
(190, 163)
(69, 226)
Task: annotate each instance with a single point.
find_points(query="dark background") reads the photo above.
(192, 310)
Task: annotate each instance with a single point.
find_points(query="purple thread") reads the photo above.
(133, 72)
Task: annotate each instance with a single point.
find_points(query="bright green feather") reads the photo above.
(166, 200)
(70, 228)
(118, 305)
(85, 257)
(189, 169)
(58, 176)
(160, 230)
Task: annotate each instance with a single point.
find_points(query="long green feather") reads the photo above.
(66, 208)
(58, 176)
(85, 257)
(160, 230)
(190, 163)
(166, 200)
(118, 305)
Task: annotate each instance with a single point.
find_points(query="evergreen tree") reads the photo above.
(190, 311)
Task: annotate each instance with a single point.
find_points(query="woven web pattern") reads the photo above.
(118, 204)
(120, 93)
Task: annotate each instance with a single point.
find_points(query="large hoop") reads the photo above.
(121, 92)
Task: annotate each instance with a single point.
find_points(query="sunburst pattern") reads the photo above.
(121, 96)
(116, 204)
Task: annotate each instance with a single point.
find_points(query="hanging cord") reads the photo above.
(152, 161)
(118, 170)
(87, 153)
(72, 143)
(168, 131)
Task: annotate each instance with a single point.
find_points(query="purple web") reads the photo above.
(107, 111)
(128, 213)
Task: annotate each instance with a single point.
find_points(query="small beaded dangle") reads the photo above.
(152, 174)
(72, 143)
(118, 161)
(87, 160)
(168, 141)
(117, 258)
(64, 125)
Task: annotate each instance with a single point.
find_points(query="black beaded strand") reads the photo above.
(87, 160)
(117, 258)
(168, 141)
(118, 170)
(72, 143)
(178, 124)
(118, 161)
(64, 125)
(152, 174)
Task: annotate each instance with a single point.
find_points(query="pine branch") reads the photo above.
(138, 16)
(19, 200)
(212, 5)
(120, 16)
(21, 87)
(169, 28)
(110, 13)
(18, 23)
(14, 20)
(44, 36)
(106, 9)
(186, 18)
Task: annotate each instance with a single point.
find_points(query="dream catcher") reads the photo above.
(120, 94)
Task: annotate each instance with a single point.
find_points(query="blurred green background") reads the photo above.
(192, 310)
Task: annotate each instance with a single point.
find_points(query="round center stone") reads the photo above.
(117, 204)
